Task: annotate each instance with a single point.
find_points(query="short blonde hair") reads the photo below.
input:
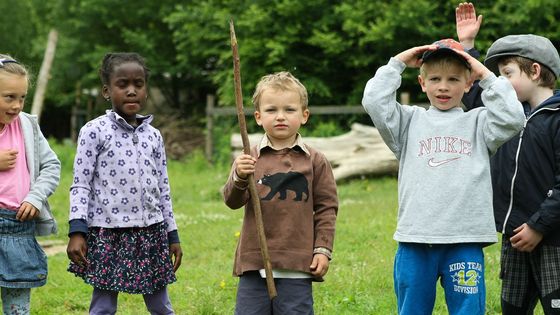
(443, 61)
(11, 66)
(280, 81)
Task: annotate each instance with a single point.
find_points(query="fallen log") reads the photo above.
(360, 152)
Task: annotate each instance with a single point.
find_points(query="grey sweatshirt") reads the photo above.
(445, 190)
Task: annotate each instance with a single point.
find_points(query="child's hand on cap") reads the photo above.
(411, 56)
(478, 70)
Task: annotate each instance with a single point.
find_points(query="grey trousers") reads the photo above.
(295, 296)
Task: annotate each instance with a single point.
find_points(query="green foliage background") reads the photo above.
(333, 46)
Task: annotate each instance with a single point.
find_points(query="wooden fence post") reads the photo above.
(210, 102)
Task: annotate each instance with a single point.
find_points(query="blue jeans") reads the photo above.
(460, 268)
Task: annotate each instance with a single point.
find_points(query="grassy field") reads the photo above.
(359, 280)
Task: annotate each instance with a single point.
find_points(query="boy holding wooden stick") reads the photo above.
(298, 199)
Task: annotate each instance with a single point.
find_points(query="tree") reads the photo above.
(19, 29)
(91, 28)
(333, 47)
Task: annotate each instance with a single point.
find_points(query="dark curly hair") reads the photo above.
(111, 60)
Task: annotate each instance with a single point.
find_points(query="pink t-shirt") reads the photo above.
(14, 183)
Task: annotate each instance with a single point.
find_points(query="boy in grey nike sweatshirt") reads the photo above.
(445, 214)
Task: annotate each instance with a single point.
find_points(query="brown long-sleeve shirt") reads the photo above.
(299, 204)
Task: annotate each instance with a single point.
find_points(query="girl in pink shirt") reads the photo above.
(29, 173)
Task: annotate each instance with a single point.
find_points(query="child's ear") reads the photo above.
(257, 115)
(535, 71)
(105, 92)
(305, 116)
(469, 85)
(421, 81)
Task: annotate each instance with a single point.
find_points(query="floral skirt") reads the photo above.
(132, 260)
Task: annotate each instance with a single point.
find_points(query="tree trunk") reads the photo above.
(43, 79)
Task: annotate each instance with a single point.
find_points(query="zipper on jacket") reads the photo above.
(510, 207)
(513, 178)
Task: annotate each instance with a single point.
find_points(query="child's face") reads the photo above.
(281, 114)
(521, 82)
(445, 86)
(127, 90)
(13, 89)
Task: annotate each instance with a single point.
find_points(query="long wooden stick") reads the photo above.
(246, 149)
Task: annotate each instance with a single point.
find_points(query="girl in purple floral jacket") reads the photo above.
(123, 235)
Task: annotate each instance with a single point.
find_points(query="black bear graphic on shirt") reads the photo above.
(282, 182)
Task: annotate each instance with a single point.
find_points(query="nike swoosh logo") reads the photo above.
(432, 163)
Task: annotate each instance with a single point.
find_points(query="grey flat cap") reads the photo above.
(534, 47)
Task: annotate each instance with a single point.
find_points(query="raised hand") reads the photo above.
(468, 24)
(7, 159)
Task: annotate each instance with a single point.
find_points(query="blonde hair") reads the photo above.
(12, 66)
(280, 81)
(443, 62)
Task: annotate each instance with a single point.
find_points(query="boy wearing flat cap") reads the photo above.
(445, 196)
(526, 169)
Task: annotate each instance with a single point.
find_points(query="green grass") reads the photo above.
(360, 276)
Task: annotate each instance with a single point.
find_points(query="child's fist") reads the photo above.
(8, 159)
(244, 165)
(319, 265)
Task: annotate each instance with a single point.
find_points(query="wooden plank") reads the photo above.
(315, 110)
(356, 153)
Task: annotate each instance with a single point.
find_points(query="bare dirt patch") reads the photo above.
(53, 247)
